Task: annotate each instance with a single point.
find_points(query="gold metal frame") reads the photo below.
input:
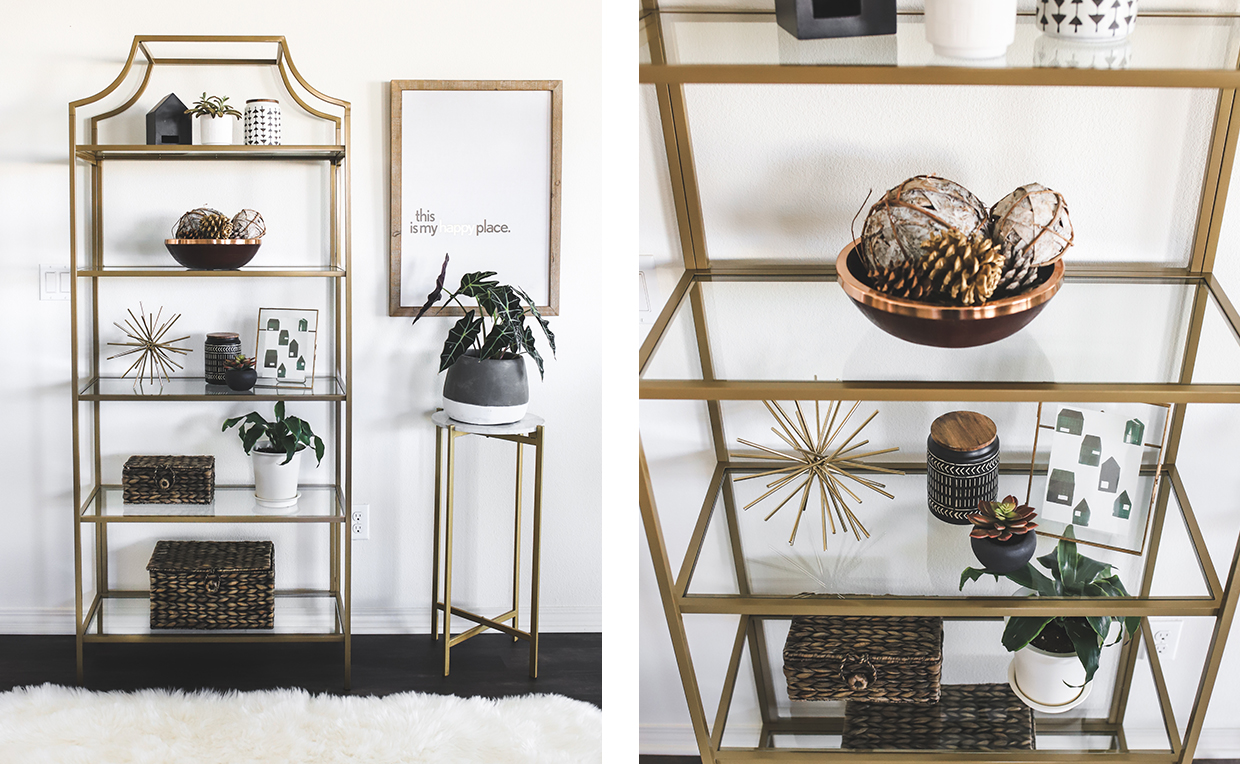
(445, 481)
(395, 88)
(87, 261)
(669, 80)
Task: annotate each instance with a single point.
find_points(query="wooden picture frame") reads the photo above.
(463, 150)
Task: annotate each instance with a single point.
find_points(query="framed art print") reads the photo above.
(1102, 472)
(475, 173)
(287, 341)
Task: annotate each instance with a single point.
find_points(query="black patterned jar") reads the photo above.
(262, 122)
(219, 347)
(962, 465)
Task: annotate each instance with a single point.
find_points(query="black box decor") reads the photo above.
(962, 465)
(876, 659)
(213, 585)
(976, 717)
(168, 123)
(169, 480)
(812, 19)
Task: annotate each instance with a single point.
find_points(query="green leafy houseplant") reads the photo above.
(287, 435)
(506, 337)
(1072, 575)
(212, 106)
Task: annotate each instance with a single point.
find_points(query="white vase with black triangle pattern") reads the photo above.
(1087, 20)
(262, 122)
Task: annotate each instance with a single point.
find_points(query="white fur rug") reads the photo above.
(55, 725)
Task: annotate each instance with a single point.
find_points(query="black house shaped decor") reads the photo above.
(1071, 422)
(1060, 487)
(168, 123)
(1108, 480)
(1080, 514)
(812, 19)
(1091, 450)
(1122, 507)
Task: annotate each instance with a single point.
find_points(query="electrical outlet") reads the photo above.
(359, 522)
(1166, 633)
(53, 282)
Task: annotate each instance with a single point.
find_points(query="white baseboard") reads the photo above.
(365, 620)
(677, 740)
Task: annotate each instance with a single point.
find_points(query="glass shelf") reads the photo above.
(1165, 50)
(249, 271)
(196, 389)
(126, 616)
(765, 330)
(233, 504)
(933, 553)
(100, 152)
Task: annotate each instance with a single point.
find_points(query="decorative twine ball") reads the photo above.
(1032, 219)
(248, 224)
(900, 225)
(189, 226)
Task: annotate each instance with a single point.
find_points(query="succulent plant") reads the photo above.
(240, 361)
(213, 106)
(1001, 520)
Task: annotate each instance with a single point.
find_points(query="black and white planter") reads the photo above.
(486, 391)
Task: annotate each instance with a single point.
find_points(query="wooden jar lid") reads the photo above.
(963, 431)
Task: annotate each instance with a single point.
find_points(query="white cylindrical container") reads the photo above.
(275, 484)
(1087, 21)
(970, 28)
(1052, 680)
(262, 122)
(215, 131)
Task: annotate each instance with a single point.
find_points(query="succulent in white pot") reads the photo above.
(275, 448)
(1057, 656)
(215, 120)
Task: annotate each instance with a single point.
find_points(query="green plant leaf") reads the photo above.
(1087, 643)
(473, 284)
(502, 338)
(1020, 630)
(972, 574)
(435, 294)
(460, 337)
(318, 450)
(527, 343)
(1101, 624)
(279, 410)
(1031, 578)
(541, 321)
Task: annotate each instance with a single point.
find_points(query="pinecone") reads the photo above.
(215, 226)
(1019, 271)
(1001, 520)
(962, 269)
(906, 280)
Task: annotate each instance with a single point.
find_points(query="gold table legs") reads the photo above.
(445, 460)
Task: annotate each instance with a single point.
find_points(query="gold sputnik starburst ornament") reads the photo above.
(155, 354)
(819, 457)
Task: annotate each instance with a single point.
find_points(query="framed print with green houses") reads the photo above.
(286, 345)
(1101, 472)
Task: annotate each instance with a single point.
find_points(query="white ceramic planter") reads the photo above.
(275, 484)
(1086, 20)
(1051, 680)
(975, 29)
(215, 131)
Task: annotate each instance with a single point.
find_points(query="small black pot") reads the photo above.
(486, 391)
(240, 379)
(1005, 556)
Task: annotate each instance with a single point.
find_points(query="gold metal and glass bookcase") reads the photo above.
(692, 353)
(107, 614)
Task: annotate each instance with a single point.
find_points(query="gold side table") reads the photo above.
(528, 431)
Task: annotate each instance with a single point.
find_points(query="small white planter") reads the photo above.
(275, 484)
(215, 131)
(1049, 682)
(975, 29)
(1088, 21)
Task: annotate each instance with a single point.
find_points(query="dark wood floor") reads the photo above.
(490, 665)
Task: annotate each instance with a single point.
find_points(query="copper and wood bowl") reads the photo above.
(945, 326)
(212, 254)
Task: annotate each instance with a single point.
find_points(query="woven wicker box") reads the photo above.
(169, 480)
(213, 585)
(876, 659)
(975, 717)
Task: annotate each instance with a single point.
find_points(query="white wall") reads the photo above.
(782, 171)
(63, 51)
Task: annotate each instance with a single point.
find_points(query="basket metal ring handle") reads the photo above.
(857, 672)
(213, 581)
(165, 476)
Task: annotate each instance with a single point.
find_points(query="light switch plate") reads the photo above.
(54, 282)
